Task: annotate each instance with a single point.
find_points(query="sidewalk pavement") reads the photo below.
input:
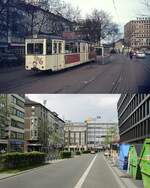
(128, 181)
(8, 175)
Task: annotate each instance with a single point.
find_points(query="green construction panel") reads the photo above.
(133, 161)
(145, 163)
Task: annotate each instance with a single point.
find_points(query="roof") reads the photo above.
(48, 36)
(28, 5)
(29, 102)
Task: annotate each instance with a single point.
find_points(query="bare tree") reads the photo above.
(64, 9)
(98, 26)
(146, 4)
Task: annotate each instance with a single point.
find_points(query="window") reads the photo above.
(55, 48)
(17, 113)
(16, 135)
(99, 51)
(38, 48)
(17, 124)
(35, 48)
(30, 48)
(71, 47)
(60, 48)
(18, 102)
(49, 48)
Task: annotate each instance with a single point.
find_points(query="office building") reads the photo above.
(43, 128)
(100, 135)
(75, 136)
(12, 122)
(134, 117)
(137, 33)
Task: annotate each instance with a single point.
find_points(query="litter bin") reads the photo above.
(145, 163)
(133, 161)
(123, 156)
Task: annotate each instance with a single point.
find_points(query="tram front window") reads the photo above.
(35, 48)
(99, 51)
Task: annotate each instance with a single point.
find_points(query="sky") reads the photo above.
(77, 108)
(126, 9)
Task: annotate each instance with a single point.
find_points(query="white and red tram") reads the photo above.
(53, 53)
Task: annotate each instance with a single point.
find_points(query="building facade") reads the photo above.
(101, 134)
(137, 33)
(21, 18)
(134, 117)
(12, 123)
(43, 128)
(75, 136)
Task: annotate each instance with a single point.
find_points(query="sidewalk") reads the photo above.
(11, 69)
(8, 175)
(128, 181)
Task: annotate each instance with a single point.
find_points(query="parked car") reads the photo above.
(140, 54)
(93, 152)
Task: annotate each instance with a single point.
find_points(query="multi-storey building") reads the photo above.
(43, 128)
(134, 117)
(137, 33)
(75, 136)
(12, 122)
(101, 134)
(21, 18)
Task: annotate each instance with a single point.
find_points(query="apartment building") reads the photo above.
(12, 122)
(99, 135)
(75, 136)
(20, 14)
(43, 128)
(137, 33)
(134, 117)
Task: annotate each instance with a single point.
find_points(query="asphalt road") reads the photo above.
(67, 174)
(117, 75)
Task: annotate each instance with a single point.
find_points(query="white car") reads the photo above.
(93, 152)
(147, 52)
(106, 153)
(140, 55)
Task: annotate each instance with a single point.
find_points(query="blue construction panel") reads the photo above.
(123, 156)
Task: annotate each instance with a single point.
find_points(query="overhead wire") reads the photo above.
(116, 10)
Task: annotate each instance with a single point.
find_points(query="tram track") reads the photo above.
(30, 79)
(147, 67)
(94, 78)
(119, 75)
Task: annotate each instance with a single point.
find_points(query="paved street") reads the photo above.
(118, 75)
(67, 174)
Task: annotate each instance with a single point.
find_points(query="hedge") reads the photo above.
(65, 154)
(17, 160)
(78, 153)
(86, 152)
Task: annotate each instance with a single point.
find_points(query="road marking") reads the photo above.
(83, 177)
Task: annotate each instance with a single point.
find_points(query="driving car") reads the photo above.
(140, 54)
(106, 153)
(147, 52)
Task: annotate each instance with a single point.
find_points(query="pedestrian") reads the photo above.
(131, 55)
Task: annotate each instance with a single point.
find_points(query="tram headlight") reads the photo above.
(34, 63)
(41, 62)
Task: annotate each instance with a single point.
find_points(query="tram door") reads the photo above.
(86, 52)
(58, 53)
(82, 52)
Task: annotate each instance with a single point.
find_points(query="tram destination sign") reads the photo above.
(35, 40)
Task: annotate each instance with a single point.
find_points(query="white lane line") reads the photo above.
(83, 177)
